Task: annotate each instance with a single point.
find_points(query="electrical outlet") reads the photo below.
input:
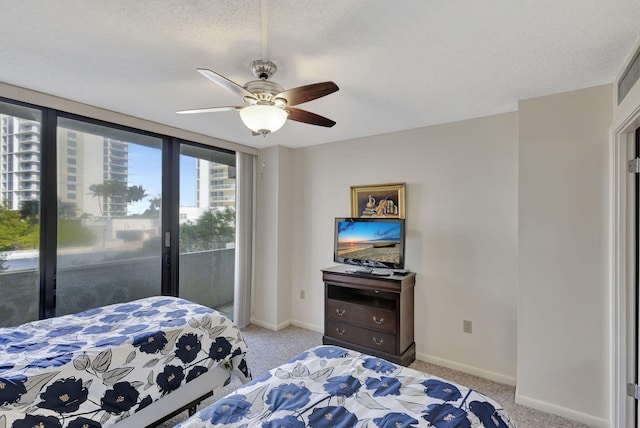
(467, 326)
(302, 294)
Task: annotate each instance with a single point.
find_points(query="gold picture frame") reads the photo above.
(378, 201)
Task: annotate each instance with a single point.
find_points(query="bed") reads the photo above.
(329, 386)
(119, 365)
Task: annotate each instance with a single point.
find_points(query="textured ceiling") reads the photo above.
(399, 64)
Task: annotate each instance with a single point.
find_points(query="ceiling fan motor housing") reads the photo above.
(263, 69)
(265, 92)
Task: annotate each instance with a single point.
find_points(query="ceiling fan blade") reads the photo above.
(302, 94)
(307, 117)
(209, 109)
(225, 83)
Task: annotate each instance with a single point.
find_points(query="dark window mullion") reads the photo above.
(170, 215)
(48, 214)
(636, 245)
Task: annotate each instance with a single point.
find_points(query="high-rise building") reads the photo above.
(84, 173)
(215, 188)
(20, 161)
(221, 182)
(77, 173)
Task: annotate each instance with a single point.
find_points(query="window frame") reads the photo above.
(49, 191)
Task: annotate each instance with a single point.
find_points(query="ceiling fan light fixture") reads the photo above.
(263, 119)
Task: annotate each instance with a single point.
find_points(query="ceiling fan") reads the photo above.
(266, 104)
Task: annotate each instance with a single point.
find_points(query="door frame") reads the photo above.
(622, 270)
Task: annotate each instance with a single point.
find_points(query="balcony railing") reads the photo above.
(27, 188)
(29, 159)
(223, 186)
(210, 282)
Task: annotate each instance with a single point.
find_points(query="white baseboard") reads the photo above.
(308, 326)
(485, 374)
(544, 406)
(282, 325)
(270, 326)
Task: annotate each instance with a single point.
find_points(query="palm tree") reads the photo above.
(118, 190)
(98, 191)
(136, 193)
(154, 208)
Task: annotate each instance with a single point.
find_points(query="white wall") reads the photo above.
(271, 292)
(563, 260)
(284, 248)
(461, 201)
(506, 226)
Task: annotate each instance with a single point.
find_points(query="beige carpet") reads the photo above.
(268, 349)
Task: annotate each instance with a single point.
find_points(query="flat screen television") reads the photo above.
(374, 243)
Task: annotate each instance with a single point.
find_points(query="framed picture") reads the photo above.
(379, 200)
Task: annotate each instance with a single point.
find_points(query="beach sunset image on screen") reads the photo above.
(377, 241)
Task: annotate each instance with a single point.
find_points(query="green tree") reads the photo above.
(72, 233)
(67, 210)
(19, 233)
(154, 208)
(16, 233)
(212, 231)
(116, 190)
(30, 211)
(135, 194)
(98, 191)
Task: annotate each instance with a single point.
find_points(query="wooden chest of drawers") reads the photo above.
(369, 313)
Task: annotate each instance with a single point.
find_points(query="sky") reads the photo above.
(368, 231)
(145, 169)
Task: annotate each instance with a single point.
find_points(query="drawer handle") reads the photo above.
(378, 342)
(341, 311)
(341, 331)
(378, 321)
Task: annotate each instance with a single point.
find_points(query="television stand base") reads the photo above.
(369, 313)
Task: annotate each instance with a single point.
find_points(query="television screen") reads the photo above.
(370, 242)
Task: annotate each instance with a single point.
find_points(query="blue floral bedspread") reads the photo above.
(329, 386)
(97, 367)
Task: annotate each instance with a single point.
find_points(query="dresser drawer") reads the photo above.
(361, 336)
(365, 316)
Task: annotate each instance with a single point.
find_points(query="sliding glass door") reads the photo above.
(109, 221)
(20, 163)
(93, 213)
(207, 226)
